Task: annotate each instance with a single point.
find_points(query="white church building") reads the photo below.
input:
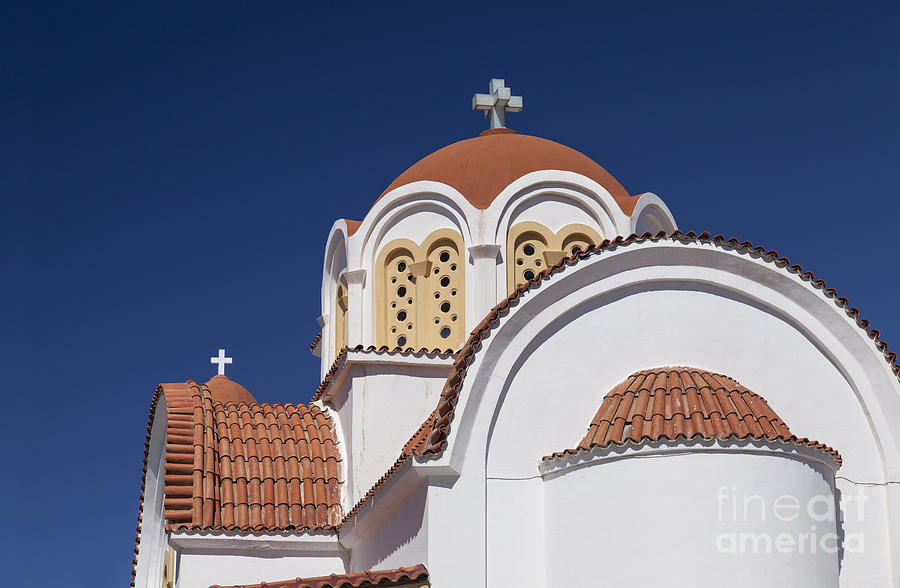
(531, 378)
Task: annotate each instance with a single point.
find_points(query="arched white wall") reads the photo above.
(152, 545)
(409, 214)
(651, 215)
(541, 373)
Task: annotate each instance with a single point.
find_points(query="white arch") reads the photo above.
(651, 214)
(589, 194)
(439, 205)
(863, 392)
(705, 266)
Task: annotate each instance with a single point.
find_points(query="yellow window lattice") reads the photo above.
(340, 324)
(528, 257)
(444, 328)
(532, 247)
(576, 242)
(401, 298)
(421, 301)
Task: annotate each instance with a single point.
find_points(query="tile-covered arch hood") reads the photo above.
(481, 167)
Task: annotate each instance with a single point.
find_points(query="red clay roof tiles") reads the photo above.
(411, 576)
(683, 402)
(248, 466)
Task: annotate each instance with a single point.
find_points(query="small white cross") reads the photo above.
(221, 360)
(497, 103)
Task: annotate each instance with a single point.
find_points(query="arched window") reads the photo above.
(526, 245)
(340, 319)
(446, 297)
(420, 299)
(532, 247)
(576, 242)
(400, 299)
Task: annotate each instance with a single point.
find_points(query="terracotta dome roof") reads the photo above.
(224, 390)
(482, 167)
(669, 403)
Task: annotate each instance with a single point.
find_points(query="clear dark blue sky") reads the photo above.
(170, 172)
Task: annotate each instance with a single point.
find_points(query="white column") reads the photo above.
(482, 295)
(355, 280)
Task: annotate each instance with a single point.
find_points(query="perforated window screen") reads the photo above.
(421, 301)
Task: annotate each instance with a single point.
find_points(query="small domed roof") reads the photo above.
(672, 402)
(480, 168)
(224, 390)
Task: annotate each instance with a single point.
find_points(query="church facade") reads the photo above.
(532, 378)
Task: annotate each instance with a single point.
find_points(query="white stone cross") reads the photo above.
(497, 103)
(221, 360)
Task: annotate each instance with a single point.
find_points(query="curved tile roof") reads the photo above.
(684, 402)
(481, 167)
(246, 466)
(395, 577)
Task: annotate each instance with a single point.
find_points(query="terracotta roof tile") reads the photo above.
(431, 438)
(315, 341)
(676, 410)
(255, 466)
(411, 576)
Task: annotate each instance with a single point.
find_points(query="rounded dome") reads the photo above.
(480, 168)
(224, 390)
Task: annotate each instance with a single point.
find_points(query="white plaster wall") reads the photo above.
(342, 413)
(554, 211)
(601, 343)
(152, 546)
(416, 224)
(597, 345)
(515, 533)
(236, 566)
(456, 531)
(692, 519)
(651, 214)
(399, 539)
(540, 376)
(381, 403)
(391, 403)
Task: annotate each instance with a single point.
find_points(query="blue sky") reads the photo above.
(170, 172)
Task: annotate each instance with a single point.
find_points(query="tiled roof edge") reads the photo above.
(382, 350)
(648, 440)
(258, 530)
(185, 403)
(137, 539)
(315, 341)
(391, 577)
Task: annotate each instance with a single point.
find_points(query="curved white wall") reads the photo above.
(665, 518)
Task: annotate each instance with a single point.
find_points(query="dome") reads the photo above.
(669, 402)
(224, 390)
(480, 168)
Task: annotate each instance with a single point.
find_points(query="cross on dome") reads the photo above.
(221, 360)
(497, 103)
